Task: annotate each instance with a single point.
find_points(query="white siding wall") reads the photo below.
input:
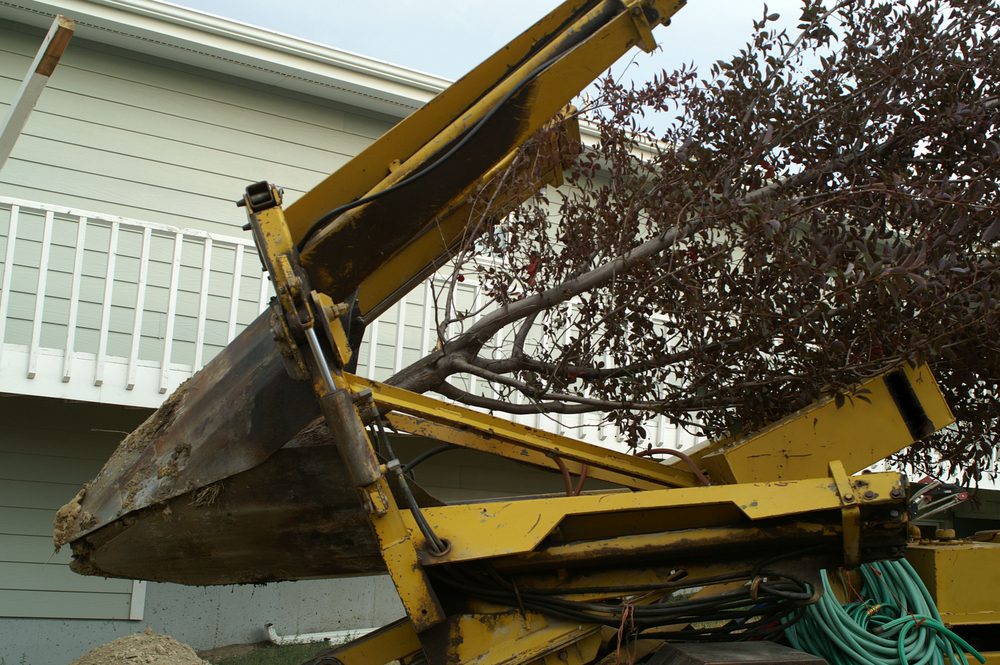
(143, 138)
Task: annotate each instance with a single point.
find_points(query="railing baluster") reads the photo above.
(477, 300)
(372, 347)
(8, 270)
(397, 360)
(199, 336)
(234, 298)
(425, 335)
(264, 293)
(168, 335)
(109, 284)
(74, 300)
(140, 305)
(43, 274)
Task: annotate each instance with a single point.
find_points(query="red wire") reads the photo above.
(570, 490)
(684, 457)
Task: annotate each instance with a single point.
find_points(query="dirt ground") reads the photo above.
(142, 649)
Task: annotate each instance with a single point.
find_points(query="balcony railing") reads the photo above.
(101, 308)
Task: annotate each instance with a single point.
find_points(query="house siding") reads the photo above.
(48, 450)
(121, 133)
(124, 134)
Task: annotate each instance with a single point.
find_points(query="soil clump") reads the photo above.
(146, 648)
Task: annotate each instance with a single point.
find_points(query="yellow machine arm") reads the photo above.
(401, 197)
(227, 483)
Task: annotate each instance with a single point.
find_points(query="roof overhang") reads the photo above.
(237, 49)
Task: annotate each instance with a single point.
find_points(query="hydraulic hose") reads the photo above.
(892, 621)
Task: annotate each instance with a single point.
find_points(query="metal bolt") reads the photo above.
(896, 493)
(870, 495)
(848, 497)
(362, 395)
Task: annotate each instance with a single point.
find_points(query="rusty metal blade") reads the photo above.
(228, 418)
(294, 516)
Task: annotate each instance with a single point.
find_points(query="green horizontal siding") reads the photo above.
(32, 549)
(48, 449)
(64, 605)
(121, 133)
(21, 576)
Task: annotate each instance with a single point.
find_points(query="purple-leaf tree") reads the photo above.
(814, 211)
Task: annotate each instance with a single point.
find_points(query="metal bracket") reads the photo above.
(850, 512)
(329, 315)
(260, 196)
(643, 29)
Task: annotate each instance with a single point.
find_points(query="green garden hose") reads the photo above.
(891, 621)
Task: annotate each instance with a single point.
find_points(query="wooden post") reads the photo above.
(34, 82)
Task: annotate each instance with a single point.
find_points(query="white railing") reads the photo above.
(102, 308)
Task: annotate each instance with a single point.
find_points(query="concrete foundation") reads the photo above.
(209, 617)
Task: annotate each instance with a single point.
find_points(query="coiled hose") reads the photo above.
(892, 621)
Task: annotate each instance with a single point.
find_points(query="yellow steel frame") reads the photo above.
(521, 88)
(400, 272)
(611, 527)
(556, 64)
(473, 429)
(638, 518)
(463, 103)
(299, 315)
(962, 598)
(668, 512)
(879, 418)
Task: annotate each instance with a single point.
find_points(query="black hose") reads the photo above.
(426, 455)
(435, 545)
(413, 177)
(753, 611)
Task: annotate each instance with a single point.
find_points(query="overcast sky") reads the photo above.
(449, 37)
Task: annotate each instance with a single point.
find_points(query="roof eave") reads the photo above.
(234, 48)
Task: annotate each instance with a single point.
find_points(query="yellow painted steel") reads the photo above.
(963, 578)
(301, 313)
(461, 104)
(363, 172)
(544, 80)
(502, 636)
(511, 438)
(509, 449)
(455, 223)
(851, 514)
(776, 475)
(862, 429)
(504, 528)
(607, 551)
(387, 644)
